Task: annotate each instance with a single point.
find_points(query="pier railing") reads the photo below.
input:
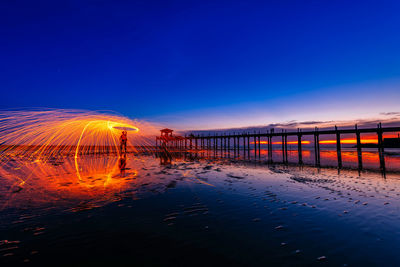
(237, 142)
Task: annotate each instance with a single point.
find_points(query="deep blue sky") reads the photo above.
(203, 64)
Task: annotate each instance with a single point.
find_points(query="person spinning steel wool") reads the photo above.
(123, 139)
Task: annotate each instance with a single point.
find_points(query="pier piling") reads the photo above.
(299, 147)
(338, 148)
(221, 143)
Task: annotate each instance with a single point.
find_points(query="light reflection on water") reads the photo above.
(328, 156)
(169, 209)
(93, 179)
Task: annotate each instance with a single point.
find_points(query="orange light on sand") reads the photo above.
(55, 180)
(45, 137)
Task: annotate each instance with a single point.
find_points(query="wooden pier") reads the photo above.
(245, 142)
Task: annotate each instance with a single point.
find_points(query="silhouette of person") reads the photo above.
(123, 139)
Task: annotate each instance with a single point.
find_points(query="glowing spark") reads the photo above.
(43, 136)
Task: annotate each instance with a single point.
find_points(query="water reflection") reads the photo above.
(308, 209)
(165, 157)
(100, 179)
(122, 165)
(368, 159)
(89, 178)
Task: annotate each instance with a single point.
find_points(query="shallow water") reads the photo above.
(328, 156)
(150, 211)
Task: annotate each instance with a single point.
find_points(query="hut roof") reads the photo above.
(166, 130)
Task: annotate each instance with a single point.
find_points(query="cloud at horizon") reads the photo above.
(387, 121)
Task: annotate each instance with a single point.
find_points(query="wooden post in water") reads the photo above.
(222, 144)
(229, 142)
(213, 138)
(318, 149)
(229, 145)
(238, 144)
(200, 139)
(248, 145)
(225, 142)
(338, 148)
(299, 148)
(271, 150)
(283, 147)
(270, 146)
(315, 147)
(244, 145)
(234, 145)
(359, 152)
(259, 145)
(381, 149)
(286, 150)
(216, 143)
(255, 145)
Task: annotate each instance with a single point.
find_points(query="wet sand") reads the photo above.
(196, 212)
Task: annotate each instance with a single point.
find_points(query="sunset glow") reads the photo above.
(350, 141)
(305, 142)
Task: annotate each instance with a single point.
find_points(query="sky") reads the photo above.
(204, 64)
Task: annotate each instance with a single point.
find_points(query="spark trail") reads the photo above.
(38, 144)
(41, 135)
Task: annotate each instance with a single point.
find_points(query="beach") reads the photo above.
(189, 211)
